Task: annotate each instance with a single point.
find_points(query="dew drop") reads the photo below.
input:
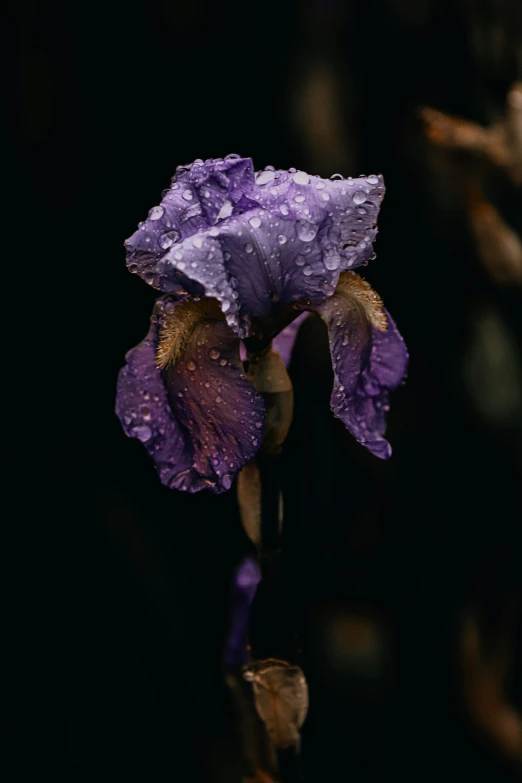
(306, 231)
(197, 242)
(191, 365)
(187, 195)
(283, 209)
(372, 180)
(226, 480)
(359, 197)
(219, 399)
(320, 185)
(249, 248)
(307, 270)
(282, 239)
(255, 222)
(222, 362)
(226, 210)
(214, 353)
(325, 196)
(300, 261)
(156, 212)
(300, 198)
(332, 261)
(301, 177)
(168, 238)
(143, 433)
(264, 176)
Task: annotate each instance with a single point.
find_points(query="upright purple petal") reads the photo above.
(369, 359)
(256, 245)
(199, 418)
(197, 195)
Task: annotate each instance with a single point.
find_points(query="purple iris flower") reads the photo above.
(239, 256)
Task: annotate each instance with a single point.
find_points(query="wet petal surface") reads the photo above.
(256, 245)
(197, 414)
(369, 359)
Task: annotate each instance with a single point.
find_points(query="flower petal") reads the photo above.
(283, 343)
(285, 240)
(196, 197)
(198, 416)
(369, 359)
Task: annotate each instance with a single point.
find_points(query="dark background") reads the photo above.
(120, 597)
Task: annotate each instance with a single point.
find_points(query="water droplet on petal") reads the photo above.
(359, 197)
(320, 185)
(191, 365)
(222, 362)
(372, 180)
(325, 196)
(219, 399)
(300, 261)
(307, 270)
(249, 248)
(197, 241)
(156, 212)
(255, 222)
(300, 198)
(214, 353)
(264, 176)
(337, 176)
(226, 480)
(332, 261)
(301, 177)
(283, 209)
(168, 238)
(188, 195)
(143, 433)
(225, 211)
(306, 231)
(282, 239)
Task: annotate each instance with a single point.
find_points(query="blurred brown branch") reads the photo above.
(498, 245)
(484, 683)
(501, 143)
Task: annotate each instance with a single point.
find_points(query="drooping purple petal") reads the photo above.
(199, 418)
(367, 362)
(246, 580)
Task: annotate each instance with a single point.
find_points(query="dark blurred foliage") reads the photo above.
(120, 593)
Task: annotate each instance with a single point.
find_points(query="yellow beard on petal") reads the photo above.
(353, 286)
(179, 326)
